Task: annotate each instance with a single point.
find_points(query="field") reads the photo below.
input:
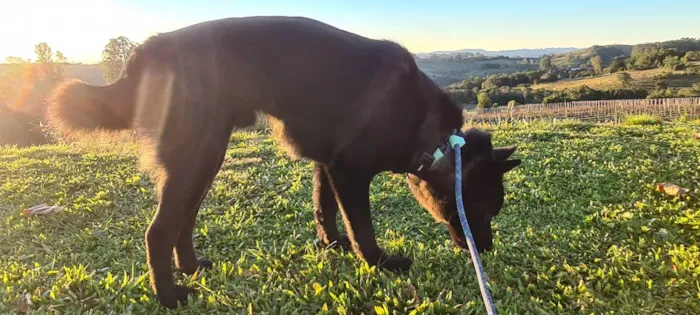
(644, 79)
(450, 71)
(667, 109)
(583, 230)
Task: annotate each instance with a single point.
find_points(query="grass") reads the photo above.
(582, 231)
(641, 119)
(644, 79)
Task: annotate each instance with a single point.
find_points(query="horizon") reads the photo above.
(81, 28)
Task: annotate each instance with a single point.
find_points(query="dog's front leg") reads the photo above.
(351, 189)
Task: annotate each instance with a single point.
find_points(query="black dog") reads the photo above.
(353, 105)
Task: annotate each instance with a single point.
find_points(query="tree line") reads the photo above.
(25, 84)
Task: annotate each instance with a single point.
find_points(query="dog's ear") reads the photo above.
(506, 166)
(503, 153)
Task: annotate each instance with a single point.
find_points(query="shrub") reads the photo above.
(624, 78)
(575, 124)
(688, 92)
(661, 85)
(483, 100)
(642, 119)
(20, 129)
(665, 93)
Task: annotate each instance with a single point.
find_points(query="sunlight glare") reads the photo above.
(78, 28)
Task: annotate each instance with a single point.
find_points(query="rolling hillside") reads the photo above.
(644, 79)
(583, 56)
(445, 72)
(91, 73)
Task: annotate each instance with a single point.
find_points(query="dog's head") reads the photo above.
(483, 168)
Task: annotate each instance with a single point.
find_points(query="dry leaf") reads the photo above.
(25, 301)
(671, 189)
(412, 292)
(42, 209)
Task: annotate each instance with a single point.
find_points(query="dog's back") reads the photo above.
(326, 84)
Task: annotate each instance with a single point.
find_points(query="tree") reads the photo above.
(114, 56)
(59, 65)
(15, 60)
(673, 63)
(688, 92)
(616, 65)
(661, 85)
(43, 53)
(597, 64)
(60, 58)
(624, 78)
(48, 70)
(548, 77)
(483, 100)
(546, 63)
(691, 56)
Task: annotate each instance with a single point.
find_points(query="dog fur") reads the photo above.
(354, 106)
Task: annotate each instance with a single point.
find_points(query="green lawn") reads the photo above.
(583, 231)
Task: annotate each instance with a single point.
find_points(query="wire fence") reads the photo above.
(595, 111)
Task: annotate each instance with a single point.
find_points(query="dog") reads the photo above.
(354, 106)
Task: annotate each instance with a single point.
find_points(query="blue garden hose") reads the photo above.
(485, 293)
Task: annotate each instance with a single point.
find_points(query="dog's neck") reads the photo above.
(440, 121)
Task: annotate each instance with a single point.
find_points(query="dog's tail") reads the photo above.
(76, 106)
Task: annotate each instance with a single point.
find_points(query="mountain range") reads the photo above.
(522, 53)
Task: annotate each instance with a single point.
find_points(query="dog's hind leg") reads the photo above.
(185, 256)
(190, 168)
(326, 210)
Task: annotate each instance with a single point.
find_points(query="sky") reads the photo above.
(81, 28)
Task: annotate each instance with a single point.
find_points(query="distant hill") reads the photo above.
(445, 72)
(514, 53)
(583, 56)
(91, 74)
(642, 79)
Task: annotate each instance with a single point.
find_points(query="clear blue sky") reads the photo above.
(81, 28)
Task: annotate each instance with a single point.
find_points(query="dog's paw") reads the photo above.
(191, 267)
(396, 264)
(178, 294)
(341, 243)
(203, 263)
(462, 244)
